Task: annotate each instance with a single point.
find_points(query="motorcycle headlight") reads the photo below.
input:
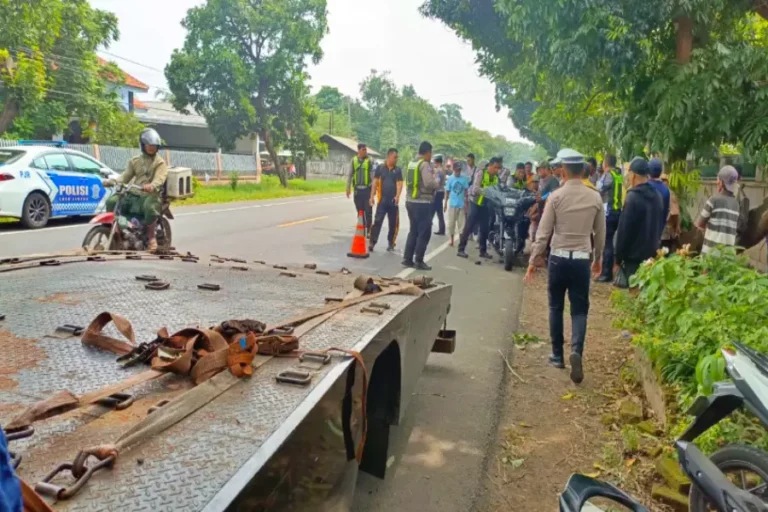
(509, 212)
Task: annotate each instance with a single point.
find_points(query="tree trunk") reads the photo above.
(684, 42)
(9, 113)
(761, 8)
(266, 134)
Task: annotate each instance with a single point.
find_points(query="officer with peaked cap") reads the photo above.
(572, 214)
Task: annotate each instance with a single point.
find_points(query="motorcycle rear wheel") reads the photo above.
(734, 461)
(97, 238)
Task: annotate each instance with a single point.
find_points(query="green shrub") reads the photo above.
(234, 178)
(687, 308)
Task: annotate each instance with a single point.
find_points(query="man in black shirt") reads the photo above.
(387, 187)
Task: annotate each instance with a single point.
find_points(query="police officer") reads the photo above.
(360, 174)
(387, 187)
(439, 194)
(479, 210)
(611, 187)
(420, 190)
(572, 214)
(149, 172)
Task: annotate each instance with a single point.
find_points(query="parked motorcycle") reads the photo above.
(735, 478)
(114, 231)
(510, 206)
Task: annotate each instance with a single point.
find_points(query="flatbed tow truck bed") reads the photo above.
(261, 445)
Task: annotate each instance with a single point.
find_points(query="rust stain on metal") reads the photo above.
(18, 354)
(58, 298)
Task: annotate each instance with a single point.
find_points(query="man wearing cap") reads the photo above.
(572, 214)
(611, 187)
(439, 198)
(641, 223)
(719, 219)
(662, 188)
(360, 176)
(479, 209)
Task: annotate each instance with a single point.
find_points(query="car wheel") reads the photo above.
(36, 211)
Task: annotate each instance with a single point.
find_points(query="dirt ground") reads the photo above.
(551, 427)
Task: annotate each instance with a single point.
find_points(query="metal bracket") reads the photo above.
(314, 360)
(117, 401)
(209, 286)
(68, 331)
(147, 277)
(96, 258)
(50, 263)
(157, 285)
(294, 377)
(189, 260)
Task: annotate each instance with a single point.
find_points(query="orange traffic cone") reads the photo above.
(359, 248)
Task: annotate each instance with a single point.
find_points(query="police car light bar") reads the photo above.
(54, 143)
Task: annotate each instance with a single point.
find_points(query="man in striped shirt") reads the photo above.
(719, 219)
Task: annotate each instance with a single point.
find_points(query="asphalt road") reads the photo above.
(451, 424)
(316, 229)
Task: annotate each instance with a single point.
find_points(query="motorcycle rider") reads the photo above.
(148, 171)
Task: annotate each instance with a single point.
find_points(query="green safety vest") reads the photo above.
(519, 185)
(618, 182)
(366, 171)
(413, 177)
(488, 180)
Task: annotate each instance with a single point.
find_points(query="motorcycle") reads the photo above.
(115, 232)
(713, 477)
(509, 206)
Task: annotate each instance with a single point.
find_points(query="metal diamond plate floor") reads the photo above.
(185, 466)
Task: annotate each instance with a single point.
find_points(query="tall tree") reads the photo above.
(49, 72)
(329, 98)
(243, 68)
(453, 121)
(670, 75)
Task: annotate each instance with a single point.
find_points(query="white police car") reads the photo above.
(40, 182)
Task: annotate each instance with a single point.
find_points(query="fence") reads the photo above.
(326, 169)
(201, 163)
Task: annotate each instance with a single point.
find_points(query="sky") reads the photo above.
(363, 35)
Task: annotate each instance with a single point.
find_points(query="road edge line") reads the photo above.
(430, 256)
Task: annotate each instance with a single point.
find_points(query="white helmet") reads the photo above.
(149, 137)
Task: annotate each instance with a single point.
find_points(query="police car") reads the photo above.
(41, 182)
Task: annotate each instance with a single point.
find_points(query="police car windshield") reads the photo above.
(8, 156)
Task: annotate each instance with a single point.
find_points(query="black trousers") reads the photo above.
(572, 276)
(420, 216)
(362, 203)
(478, 217)
(438, 209)
(611, 225)
(386, 208)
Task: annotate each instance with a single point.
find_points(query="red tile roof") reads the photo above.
(130, 81)
(137, 103)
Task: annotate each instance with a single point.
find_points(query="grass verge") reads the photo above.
(269, 188)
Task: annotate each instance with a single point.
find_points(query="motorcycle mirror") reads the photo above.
(583, 493)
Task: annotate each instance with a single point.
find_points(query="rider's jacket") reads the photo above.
(145, 169)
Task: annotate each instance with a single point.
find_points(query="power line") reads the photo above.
(131, 61)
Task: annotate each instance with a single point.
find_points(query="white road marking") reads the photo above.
(429, 256)
(187, 214)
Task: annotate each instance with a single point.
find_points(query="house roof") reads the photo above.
(162, 112)
(350, 144)
(130, 80)
(137, 103)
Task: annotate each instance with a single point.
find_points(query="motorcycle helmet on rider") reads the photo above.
(149, 137)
